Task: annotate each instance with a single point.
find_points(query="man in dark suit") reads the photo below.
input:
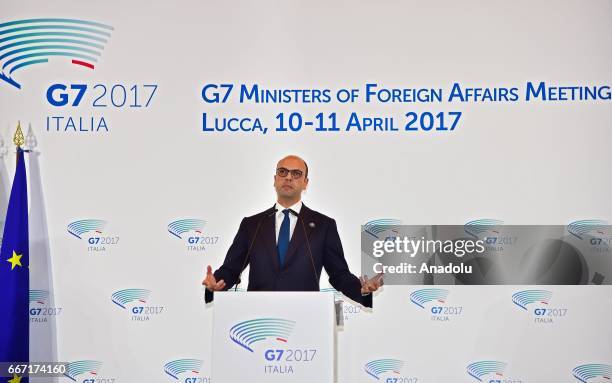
(281, 258)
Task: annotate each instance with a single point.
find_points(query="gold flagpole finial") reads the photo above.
(18, 139)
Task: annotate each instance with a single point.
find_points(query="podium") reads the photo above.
(263, 337)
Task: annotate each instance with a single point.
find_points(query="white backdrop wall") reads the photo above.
(521, 162)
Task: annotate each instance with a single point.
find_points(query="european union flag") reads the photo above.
(14, 273)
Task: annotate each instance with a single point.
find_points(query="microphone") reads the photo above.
(337, 304)
(246, 258)
(311, 225)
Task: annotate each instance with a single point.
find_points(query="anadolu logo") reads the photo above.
(186, 370)
(537, 303)
(593, 373)
(39, 306)
(348, 310)
(135, 302)
(28, 42)
(388, 371)
(191, 232)
(382, 228)
(279, 357)
(487, 230)
(489, 371)
(89, 368)
(596, 232)
(92, 231)
(434, 301)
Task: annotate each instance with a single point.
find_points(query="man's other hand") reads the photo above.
(211, 282)
(370, 285)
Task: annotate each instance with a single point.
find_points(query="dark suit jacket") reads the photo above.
(298, 272)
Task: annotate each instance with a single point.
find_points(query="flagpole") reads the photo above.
(14, 274)
(18, 138)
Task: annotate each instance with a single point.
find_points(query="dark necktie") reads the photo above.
(283, 238)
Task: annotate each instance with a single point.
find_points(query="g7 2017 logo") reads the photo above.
(186, 371)
(93, 231)
(272, 337)
(87, 371)
(596, 232)
(191, 232)
(537, 303)
(389, 371)
(490, 371)
(135, 301)
(489, 231)
(593, 373)
(39, 307)
(434, 301)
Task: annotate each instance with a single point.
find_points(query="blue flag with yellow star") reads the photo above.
(14, 274)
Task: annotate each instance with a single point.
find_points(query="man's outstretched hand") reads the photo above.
(211, 282)
(371, 285)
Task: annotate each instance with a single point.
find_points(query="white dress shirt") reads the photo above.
(292, 218)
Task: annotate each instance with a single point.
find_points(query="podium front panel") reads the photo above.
(273, 337)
